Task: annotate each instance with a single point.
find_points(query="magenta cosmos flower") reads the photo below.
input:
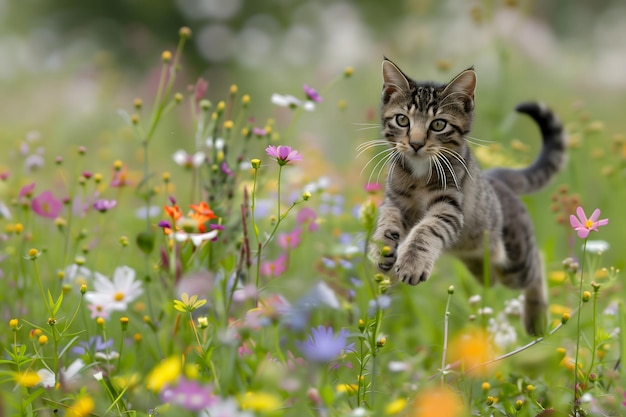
(46, 205)
(583, 225)
(283, 154)
(312, 93)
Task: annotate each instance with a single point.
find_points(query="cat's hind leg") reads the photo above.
(523, 268)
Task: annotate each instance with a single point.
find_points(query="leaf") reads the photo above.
(57, 305)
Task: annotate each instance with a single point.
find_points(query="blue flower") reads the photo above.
(323, 345)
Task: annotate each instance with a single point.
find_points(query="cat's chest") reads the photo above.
(411, 197)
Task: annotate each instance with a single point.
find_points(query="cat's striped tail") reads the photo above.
(550, 159)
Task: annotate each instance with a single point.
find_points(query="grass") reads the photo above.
(204, 323)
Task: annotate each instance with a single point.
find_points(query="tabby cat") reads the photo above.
(438, 199)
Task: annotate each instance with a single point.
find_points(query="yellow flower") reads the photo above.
(167, 371)
(27, 379)
(395, 406)
(81, 407)
(188, 304)
(349, 388)
(259, 401)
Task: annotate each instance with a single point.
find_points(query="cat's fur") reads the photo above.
(438, 199)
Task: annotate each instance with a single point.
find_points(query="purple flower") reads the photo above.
(189, 395)
(46, 205)
(323, 345)
(95, 344)
(583, 225)
(225, 169)
(104, 205)
(311, 93)
(283, 154)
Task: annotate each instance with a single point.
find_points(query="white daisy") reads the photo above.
(115, 294)
(186, 160)
(47, 378)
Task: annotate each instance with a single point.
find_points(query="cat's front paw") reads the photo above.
(413, 267)
(384, 250)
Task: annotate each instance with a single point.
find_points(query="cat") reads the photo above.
(437, 198)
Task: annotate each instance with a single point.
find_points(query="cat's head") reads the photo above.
(421, 119)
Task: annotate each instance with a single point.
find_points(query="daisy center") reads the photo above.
(588, 224)
(119, 296)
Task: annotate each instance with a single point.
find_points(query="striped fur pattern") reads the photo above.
(437, 199)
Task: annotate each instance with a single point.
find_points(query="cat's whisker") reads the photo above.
(366, 126)
(392, 164)
(381, 165)
(448, 164)
(388, 151)
(459, 158)
(477, 141)
(369, 145)
(430, 169)
(441, 175)
(362, 151)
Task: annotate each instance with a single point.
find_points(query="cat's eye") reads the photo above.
(402, 120)
(438, 125)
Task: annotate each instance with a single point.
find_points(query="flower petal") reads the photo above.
(581, 215)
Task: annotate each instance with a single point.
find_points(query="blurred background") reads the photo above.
(67, 66)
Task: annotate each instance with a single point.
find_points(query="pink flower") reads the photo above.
(584, 225)
(290, 240)
(27, 190)
(201, 87)
(283, 154)
(308, 215)
(274, 268)
(46, 205)
(373, 187)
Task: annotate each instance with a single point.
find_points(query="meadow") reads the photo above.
(199, 248)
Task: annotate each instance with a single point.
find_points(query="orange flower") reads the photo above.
(442, 402)
(472, 349)
(173, 212)
(202, 214)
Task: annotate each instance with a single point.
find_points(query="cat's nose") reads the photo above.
(416, 145)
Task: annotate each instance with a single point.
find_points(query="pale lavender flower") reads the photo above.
(95, 344)
(104, 205)
(189, 395)
(323, 345)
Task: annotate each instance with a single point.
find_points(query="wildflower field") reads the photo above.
(188, 246)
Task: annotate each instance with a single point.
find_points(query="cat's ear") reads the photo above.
(463, 86)
(394, 80)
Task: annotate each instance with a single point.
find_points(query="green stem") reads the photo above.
(446, 320)
(580, 304)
